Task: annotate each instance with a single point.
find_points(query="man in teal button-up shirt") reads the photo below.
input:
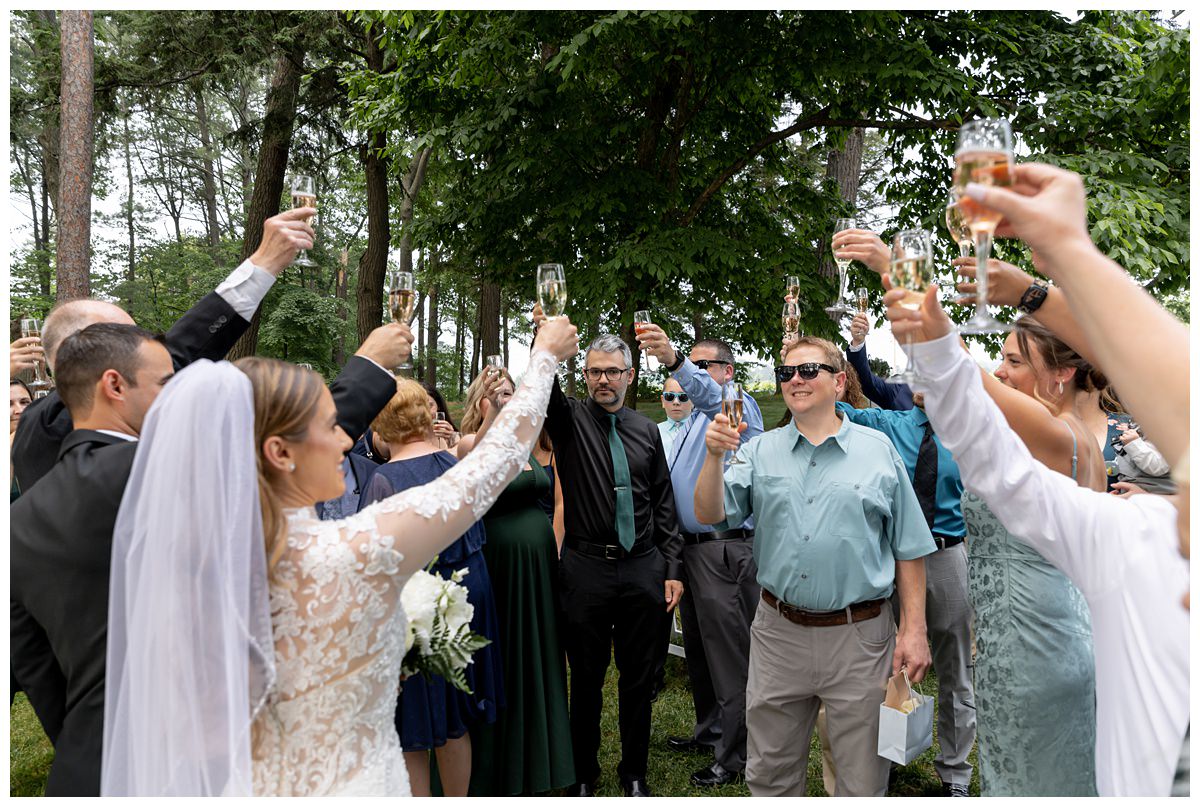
(838, 526)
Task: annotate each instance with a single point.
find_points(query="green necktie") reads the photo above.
(625, 527)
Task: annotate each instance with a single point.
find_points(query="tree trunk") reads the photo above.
(75, 170)
(373, 264)
(460, 343)
(207, 174)
(489, 318)
(475, 340)
(504, 336)
(272, 163)
(698, 326)
(845, 167)
(434, 329)
(50, 137)
(44, 258)
(339, 291)
(131, 254)
(410, 184)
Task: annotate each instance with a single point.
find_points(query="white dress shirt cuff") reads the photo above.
(937, 357)
(245, 288)
(377, 364)
(853, 348)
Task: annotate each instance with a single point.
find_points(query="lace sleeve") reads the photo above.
(430, 517)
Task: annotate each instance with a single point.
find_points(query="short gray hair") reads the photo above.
(611, 343)
(72, 316)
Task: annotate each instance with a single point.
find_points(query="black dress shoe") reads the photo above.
(687, 745)
(714, 775)
(581, 789)
(635, 787)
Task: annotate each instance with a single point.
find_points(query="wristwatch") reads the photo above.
(678, 361)
(1034, 296)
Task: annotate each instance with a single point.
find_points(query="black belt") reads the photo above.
(609, 551)
(739, 534)
(947, 541)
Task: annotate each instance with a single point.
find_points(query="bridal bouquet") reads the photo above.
(440, 640)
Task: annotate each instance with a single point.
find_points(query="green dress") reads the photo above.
(528, 749)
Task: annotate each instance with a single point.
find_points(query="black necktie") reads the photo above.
(925, 474)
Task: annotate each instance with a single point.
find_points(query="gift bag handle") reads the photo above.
(909, 684)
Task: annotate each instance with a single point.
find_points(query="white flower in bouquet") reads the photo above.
(440, 640)
(419, 598)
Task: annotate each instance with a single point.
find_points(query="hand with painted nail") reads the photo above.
(1046, 207)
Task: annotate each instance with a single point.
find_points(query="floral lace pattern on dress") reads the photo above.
(329, 724)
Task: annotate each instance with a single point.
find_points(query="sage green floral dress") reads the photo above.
(1035, 678)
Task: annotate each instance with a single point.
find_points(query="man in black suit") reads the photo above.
(207, 331)
(61, 528)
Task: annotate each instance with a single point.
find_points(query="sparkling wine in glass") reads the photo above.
(911, 270)
(959, 232)
(840, 308)
(552, 289)
(494, 364)
(793, 287)
(640, 320)
(984, 155)
(304, 194)
(402, 303)
(790, 320)
(860, 297)
(33, 327)
(732, 407)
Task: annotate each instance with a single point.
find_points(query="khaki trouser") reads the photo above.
(793, 670)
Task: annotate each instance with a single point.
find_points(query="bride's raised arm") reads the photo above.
(423, 521)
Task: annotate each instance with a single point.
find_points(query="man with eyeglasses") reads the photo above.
(837, 528)
(722, 591)
(620, 569)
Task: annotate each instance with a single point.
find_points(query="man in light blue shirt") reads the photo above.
(678, 407)
(721, 591)
(837, 528)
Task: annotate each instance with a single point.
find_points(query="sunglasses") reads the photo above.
(672, 397)
(808, 371)
(703, 363)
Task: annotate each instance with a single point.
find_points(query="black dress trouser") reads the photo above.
(618, 604)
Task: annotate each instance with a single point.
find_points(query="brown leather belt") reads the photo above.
(858, 612)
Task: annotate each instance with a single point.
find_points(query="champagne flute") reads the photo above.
(840, 307)
(494, 364)
(860, 296)
(959, 232)
(793, 287)
(640, 320)
(912, 270)
(552, 289)
(790, 320)
(731, 407)
(984, 155)
(402, 302)
(33, 327)
(304, 194)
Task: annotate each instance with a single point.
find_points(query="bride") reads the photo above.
(253, 648)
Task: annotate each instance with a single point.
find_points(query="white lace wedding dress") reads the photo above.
(328, 727)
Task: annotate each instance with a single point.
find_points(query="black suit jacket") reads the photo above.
(207, 331)
(61, 542)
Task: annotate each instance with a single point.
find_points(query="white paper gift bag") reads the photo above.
(905, 721)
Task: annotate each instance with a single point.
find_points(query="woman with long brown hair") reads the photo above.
(252, 647)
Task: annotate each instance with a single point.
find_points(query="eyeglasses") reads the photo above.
(672, 397)
(611, 373)
(703, 363)
(808, 371)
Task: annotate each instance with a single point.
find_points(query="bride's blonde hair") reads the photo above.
(285, 403)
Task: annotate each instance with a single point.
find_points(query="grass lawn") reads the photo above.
(31, 754)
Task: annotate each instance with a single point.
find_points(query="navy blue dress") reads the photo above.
(432, 711)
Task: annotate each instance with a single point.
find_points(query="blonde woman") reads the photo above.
(271, 638)
(434, 716)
